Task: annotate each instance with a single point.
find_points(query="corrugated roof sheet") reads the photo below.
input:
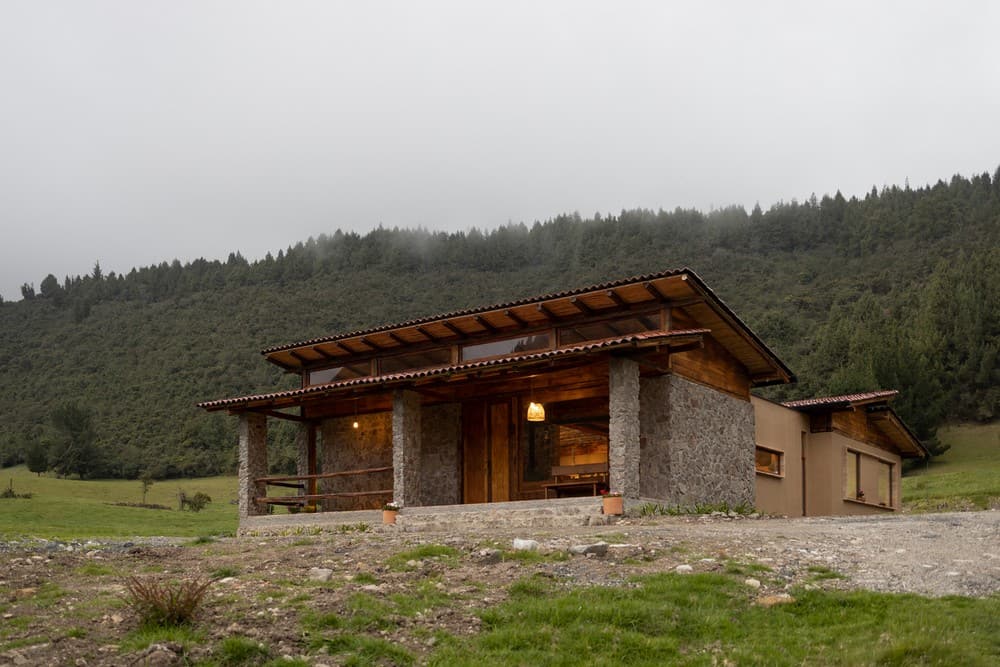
(845, 399)
(403, 376)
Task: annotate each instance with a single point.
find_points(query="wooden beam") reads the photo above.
(374, 346)
(455, 330)
(481, 321)
(281, 415)
(613, 295)
(321, 352)
(423, 332)
(547, 313)
(581, 306)
(399, 341)
(343, 348)
(296, 355)
(511, 315)
(652, 289)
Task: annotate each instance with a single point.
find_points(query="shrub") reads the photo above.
(162, 604)
(195, 503)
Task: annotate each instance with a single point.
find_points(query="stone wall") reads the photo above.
(441, 444)
(343, 447)
(697, 443)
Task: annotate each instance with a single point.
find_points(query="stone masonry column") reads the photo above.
(253, 460)
(623, 436)
(406, 447)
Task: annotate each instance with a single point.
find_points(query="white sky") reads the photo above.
(133, 132)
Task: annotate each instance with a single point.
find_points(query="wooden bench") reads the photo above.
(577, 478)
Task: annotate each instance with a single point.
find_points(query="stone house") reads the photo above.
(641, 385)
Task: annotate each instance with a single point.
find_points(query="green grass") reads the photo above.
(438, 552)
(362, 651)
(70, 508)
(967, 476)
(710, 619)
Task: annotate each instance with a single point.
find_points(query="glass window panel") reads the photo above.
(768, 461)
(498, 348)
(885, 484)
(851, 488)
(440, 356)
(337, 373)
(608, 329)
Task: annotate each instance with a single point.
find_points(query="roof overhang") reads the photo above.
(680, 288)
(648, 343)
(882, 417)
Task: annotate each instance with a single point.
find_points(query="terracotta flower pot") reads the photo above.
(613, 505)
(389, 516)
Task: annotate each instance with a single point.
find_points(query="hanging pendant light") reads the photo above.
(355, 424)
(536, 411)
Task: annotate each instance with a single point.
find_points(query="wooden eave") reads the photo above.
(503, 369)
(680, 288)
(887, 422)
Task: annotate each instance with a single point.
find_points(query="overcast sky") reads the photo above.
(134, 132)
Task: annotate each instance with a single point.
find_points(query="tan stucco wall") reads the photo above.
(780, 429)
(869, 476)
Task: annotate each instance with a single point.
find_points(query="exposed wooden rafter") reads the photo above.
(546, 312)
(654, 291)
(581, 306)
(321, 352)
(423, 332)
(367, 341)
(452, 328)
(613, 295)
(511, 315)
(481, 321)
(396, 338)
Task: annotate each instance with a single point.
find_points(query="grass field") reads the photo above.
(69, 508)
(967, 476)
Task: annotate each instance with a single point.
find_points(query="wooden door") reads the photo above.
(486, 449)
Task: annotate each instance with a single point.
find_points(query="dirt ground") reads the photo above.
(61, 603)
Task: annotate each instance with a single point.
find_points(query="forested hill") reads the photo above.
(899, 289)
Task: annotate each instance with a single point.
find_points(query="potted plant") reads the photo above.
(613, 503)
(389, 511)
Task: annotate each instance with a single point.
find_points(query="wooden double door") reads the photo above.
(489, 444)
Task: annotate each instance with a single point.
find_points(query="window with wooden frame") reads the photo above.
(507, 346)
(769, 461)
(868, 479)
(337, 373)
(609, 328)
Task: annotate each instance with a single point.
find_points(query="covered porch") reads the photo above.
(463, 437)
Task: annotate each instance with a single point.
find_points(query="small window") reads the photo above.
(853, 469)
(337, 373)
(440, 356)
(768, 461)
(498, 348)
(885, 484)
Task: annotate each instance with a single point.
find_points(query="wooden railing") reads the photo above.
(308, 483)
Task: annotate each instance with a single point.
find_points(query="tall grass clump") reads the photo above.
(165, 604)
